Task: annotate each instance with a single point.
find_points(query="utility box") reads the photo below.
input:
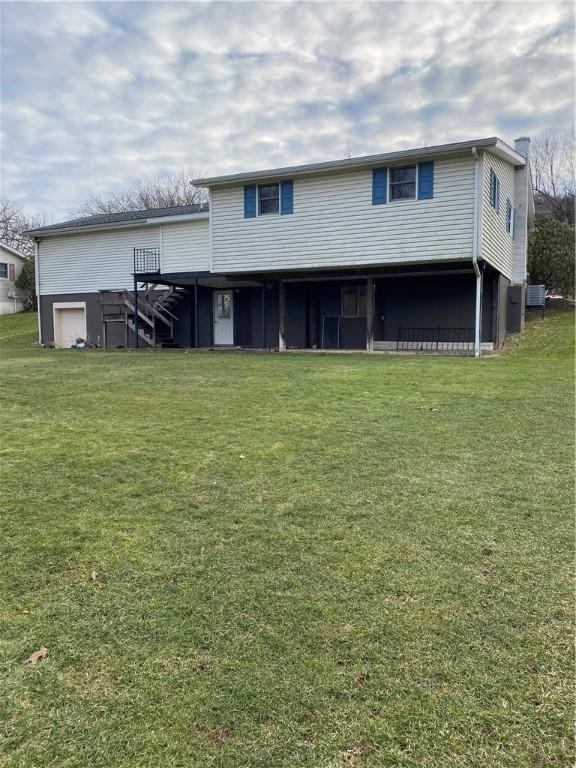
(536, 296)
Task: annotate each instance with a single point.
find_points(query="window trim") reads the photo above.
(357, 289)
(5, 264)
(392, 168)
(276, 184)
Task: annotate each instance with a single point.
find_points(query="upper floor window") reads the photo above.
(354, 301)
(494, 191)
(3, 271)
(509, 218)
(263, 199)
(403, 183)
(408, 182)
(268, 198)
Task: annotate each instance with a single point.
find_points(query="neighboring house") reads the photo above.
(422, 248)
(11, 263)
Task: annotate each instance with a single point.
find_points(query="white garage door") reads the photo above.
(69, 324)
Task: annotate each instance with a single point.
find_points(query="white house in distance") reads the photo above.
(415, 249)
(11, 263)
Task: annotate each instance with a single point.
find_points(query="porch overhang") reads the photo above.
(403, 269)
(204, 279)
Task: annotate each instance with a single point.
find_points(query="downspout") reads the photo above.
(475, 249)
(37, 286)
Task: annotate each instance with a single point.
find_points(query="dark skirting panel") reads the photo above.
(314, 317)
(446, 301)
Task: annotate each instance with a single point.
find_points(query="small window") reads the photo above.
(509, 217)
(354, 301)
(403, 183)
(3, 271)
(223, 306)
(494, 190)
(268, 199)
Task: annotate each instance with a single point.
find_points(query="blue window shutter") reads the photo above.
(497, 194)
(286, 197)
(379, 185)
(249, 201)
(426, 180)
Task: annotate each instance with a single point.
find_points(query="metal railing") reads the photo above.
(435, 339)
(146, 260)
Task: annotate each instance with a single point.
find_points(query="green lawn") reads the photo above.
(300, 560)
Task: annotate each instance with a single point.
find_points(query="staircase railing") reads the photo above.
(140, 313)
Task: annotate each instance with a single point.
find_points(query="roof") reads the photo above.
(13, 251)
(125, 217)
(496, 145)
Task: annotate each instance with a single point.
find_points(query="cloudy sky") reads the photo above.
(95, 95)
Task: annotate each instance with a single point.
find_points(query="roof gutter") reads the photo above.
(155, 221)
(443, 150)
(37, 287)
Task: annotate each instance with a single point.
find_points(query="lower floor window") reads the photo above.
(354, 301)
(3, 270)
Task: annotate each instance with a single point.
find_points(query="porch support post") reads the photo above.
(263, 315)
(136, 312)
(196, 315)
(478, 314)
(369, 314)
(282, 316)
(477, 248)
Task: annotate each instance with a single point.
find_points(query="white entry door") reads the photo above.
(223, 318)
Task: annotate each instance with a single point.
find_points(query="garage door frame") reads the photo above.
(66, 305)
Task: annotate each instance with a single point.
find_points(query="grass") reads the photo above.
(300, 560)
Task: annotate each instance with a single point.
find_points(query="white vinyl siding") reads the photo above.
(186, 246)
(335, 224)
(93, 260)
(496, 241)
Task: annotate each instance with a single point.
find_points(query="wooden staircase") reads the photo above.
(156, 312)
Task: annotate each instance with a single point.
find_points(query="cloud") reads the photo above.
(96, 95)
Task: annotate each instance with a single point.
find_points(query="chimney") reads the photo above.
(522, 145)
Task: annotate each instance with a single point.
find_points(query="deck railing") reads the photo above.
(146, 260)
(435, 339)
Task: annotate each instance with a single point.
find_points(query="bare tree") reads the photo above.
(553, 162)
(145, 194)
(14, 223)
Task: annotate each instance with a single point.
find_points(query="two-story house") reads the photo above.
(416, 249)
